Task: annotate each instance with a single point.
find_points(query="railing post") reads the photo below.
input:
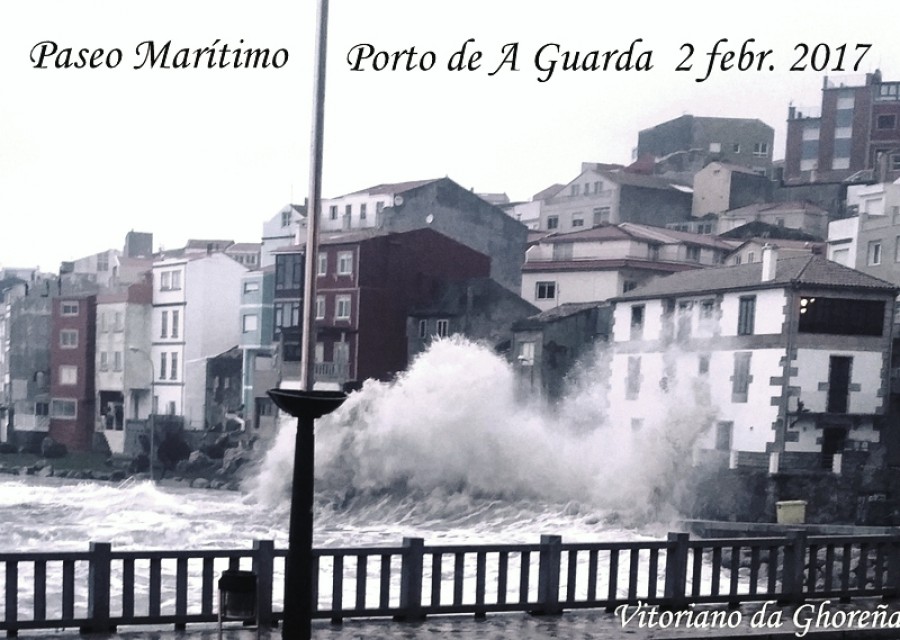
(794, 564)
(892, 586)
(411, 580)
(98, 589)
(548, 575)
(264, 567)
(676, 569)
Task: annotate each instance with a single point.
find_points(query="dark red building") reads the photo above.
(856, 128)
(72, 371)
(367, 284)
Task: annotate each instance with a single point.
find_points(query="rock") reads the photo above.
(50, 448)
(200, 483)
(216, 484)
(45, 471)
(117, 476)
(196, 462)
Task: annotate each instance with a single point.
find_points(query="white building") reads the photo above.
(608, 260)
(196, 315)
(791, 356)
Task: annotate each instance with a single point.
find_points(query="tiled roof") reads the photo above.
(598, 265)
(773, 208)
(811, 270)
(627, 179)
(644, 232)
(244, 246)
(390, 188)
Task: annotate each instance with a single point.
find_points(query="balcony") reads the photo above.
(331, 371)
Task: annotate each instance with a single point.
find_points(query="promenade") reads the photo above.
(574, 625)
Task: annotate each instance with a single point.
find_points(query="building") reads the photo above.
(72, 349)
(441, 205)
(804, 216)
(281, 230)
(855, 129)
(869, 238)
(479, 309)
(122, 360)
(368, 282)
(195, 316)
(603, 262)
(547, 345)
(751, 249)
(790, 357)
(720, 186)
(245, 253)
(598, 195)
(258, 349)
(746, 142)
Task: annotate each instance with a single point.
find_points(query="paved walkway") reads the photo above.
(573, 625)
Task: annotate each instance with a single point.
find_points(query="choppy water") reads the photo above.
(451, 451)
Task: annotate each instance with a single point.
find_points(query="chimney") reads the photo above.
(769, 260)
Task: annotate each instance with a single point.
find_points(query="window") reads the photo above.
(736, 147)
(443, 328)
(175, 322)
(332, 212)
(724, 429)
(348, 210)
(715, 147)
(576, 189)
(250, 323)
(104, 361)
(250, 287)
(628, 285)
(322, 266)
(746, 315)
(740, 381)
(164, 325)
(102, 262)
(163, 360)
(693, 254)
(684, 319)
(320, 307)
(760, 148)
(119, 321)
(379, 206)
(117, 360)
(342, 308)
(289, 271)
(287, 314)
(63, 409)
(707, 308)
(841, 316)
(68, 338)
(68, 374)
(526, 353)
(577, 221)
(810, 132)
(285, 218)
(345, 263)
(169, 280)
(601, 215)
(41, 408)
(545, 291)
(423, 329)
(751, 257)
(886, 122)
(552, 222)
(562, 250)
(838, 399)
(703, 363)
(69, 308)
(362, 211)
(895, 162)
(633, 381)
(874, 253)
(102, 317)
(637, 321)
(173, 371)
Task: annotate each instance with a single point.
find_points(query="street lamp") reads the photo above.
(151, 418)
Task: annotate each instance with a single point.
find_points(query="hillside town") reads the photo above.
(704, 258)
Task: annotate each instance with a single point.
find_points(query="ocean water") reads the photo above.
(452, 451)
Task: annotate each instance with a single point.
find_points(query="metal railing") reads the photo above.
(99, 589)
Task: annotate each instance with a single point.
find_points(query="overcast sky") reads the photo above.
(88, 154)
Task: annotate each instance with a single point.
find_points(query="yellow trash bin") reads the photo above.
(791, 511)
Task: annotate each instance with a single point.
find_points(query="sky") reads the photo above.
(87, 154)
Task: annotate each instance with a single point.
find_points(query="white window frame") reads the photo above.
(322, 264)
(345, 263)
(343, 307)
(249, 323)
(442, 328)
(117, 360)
(251, 286)
(69, 308)
(320, 307)
(545, 285)
(873, 254)
(104, 361)
(57, 403)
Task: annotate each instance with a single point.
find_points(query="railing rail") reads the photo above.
(100, 589)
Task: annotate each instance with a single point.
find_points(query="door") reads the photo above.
(838, 384)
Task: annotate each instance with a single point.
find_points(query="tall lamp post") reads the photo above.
(306, 404)
(151, 418)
